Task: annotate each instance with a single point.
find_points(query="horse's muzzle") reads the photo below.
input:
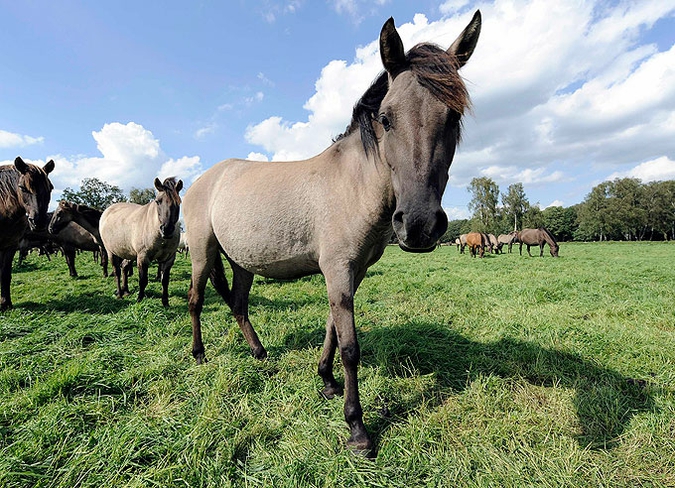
(419, 233)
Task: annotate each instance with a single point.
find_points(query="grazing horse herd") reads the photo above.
(477, 242)
(331, 214)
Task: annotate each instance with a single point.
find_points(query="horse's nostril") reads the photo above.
(398, 217)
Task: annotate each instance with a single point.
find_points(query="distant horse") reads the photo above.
(68, 214)
(493, 243)
(143, 233)
(476, 243)
(462, 243)
(25, 191)
(538, 237)
(510, 239)
(333, 213)
(70, 238)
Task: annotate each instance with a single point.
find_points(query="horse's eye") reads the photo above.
(384, 120)
(23, 188)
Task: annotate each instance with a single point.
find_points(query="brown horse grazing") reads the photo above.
(68, 214)
(334, 213)
(510, 239)
(25, 191)
(538, 237)
(476, 243)
(143, 233)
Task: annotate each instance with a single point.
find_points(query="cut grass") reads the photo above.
(505, 371)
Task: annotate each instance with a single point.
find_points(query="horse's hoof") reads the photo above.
(200, 359)
(260, 354)
(363, 447)
(330, 392)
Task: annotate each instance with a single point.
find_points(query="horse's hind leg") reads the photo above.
(241, 286)
(143, 265)
(325, 370)
(202, 258)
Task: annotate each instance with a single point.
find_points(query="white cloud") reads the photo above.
(256, 156)
(186, 168)
(130, 157)
(457, 213)
(10, 139)
(659, 169)
(554, 203)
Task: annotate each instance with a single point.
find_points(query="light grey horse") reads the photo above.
(334, 213)
(143, 233)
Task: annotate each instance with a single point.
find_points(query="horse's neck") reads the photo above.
(353, 169)
(88, 222)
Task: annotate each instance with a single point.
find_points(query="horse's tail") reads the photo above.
(219, 280)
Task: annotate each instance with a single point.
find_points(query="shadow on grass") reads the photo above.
(605, 401)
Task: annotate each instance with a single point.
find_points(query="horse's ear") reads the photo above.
(49, 167)
(179, 186)
(20, 166)
(464, 45)
(391, 49)
(158, 185)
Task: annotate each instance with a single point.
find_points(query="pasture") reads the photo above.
(501, 371)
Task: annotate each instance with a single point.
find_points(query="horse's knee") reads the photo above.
(350, 354)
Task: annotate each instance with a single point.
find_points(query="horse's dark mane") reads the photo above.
(548, 233)
(170, 184)
(9, 179)
(90, 214)
(435, 69)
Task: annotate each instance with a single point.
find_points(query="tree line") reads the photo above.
(100, 195)
(622, 209)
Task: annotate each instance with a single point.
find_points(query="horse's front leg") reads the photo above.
(330, 385)
(6, 258)
(143, 264)
(166, 270)
(341, 289)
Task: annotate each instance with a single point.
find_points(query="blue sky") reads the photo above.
(566, 94)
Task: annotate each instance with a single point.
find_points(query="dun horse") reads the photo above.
(538, 237)
(86, 217)
(334, 213)
(476, 242)
(143, 233)
(25, 191)
(510, 239)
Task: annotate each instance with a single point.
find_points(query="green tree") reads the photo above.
(515, 204)
(561, 222)
(141, 196)
(484, 200)
(533, 217)
(95, 193)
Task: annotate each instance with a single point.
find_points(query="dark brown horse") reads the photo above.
(538, 237)
(476, 243)
(67, 215)
(334, 213)
(71, 238)
(25, 191)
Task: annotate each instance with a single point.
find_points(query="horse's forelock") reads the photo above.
(170, 190)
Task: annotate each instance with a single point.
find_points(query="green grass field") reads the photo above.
(502, 371)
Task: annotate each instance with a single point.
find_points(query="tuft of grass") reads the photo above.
(502, 371)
